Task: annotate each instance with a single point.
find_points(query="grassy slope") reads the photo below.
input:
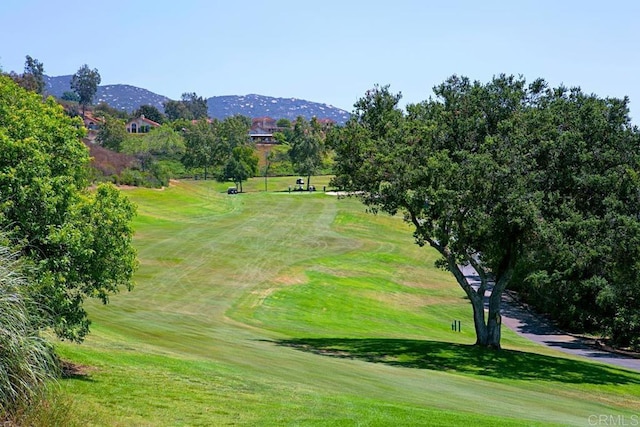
(277, 308)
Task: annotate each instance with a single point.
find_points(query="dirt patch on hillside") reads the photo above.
(75, 370)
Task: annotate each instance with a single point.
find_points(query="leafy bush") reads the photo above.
(174, 168)
(156, 177)
(132, 177)
(160, 174)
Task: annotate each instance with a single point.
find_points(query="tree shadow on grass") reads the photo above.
(466, 359)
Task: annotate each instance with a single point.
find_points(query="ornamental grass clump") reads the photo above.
(27, 361)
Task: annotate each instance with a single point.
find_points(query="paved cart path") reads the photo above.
(528, 324)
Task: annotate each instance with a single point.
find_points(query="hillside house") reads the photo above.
(263, 128)
(326, 123)
(92, 123)
(266, 124)
(261, 136)
(193, 122)
(141, 125)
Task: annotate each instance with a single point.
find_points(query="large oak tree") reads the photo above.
(487, 175)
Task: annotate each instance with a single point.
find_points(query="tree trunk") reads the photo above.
(478, 323)
(493, 331)
(488, 334)
(487, 331)
(494, 321)
(476, 298)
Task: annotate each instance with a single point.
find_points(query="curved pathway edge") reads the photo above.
(537, 329)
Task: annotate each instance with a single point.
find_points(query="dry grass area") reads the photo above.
(109, 162)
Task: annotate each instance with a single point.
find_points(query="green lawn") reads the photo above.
(278, 308)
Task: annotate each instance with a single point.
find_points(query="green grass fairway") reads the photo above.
(278, 308)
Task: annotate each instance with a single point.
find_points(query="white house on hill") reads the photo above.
(141, 125)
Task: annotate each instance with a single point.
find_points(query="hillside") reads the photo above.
(120, 96)
(129, 98)
(278, 108)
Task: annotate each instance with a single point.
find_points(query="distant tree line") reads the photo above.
(209, 148)
(187, 143)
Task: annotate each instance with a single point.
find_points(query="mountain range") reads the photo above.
(129, 98)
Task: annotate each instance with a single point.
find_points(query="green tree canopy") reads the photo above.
(164, 141)
(284, 123)
(33, 77)
(112, 133)
(471, 171)
(79, 242)
(210, 143)
(104, 109)
(241, 162)
(197, 105)
(85, 83)
(583, 268)
(190, 107)
(241, 165)
(202, 146)
(177, 110)
(307, 147)
(234, 132)
(161, 142)
(150, 112)
(70, 96)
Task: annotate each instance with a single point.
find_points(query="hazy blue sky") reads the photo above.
(327, 51)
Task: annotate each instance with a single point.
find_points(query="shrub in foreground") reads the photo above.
(27, 361)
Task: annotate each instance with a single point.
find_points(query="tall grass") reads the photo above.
(27, 361)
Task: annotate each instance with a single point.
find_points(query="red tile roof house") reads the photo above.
(141, 125)
(264, 123)
(261, 136)
(92, 124)
(326, 122)
(193, 122)
(262, 130)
